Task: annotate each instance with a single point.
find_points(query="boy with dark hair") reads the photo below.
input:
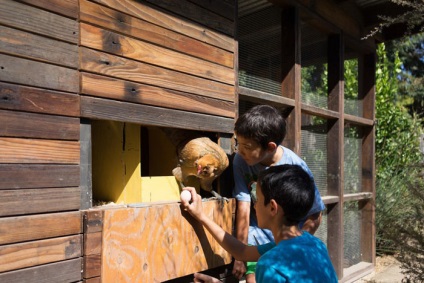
(258, 135)
(285, 194)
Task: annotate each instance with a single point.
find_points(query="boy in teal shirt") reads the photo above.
(285, 194)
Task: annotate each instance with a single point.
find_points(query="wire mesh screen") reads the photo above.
(321, 233)
(352, 234)
(314, 149)
(352, 160)
(314, 67)
(352, 103)
(259, 34)
(245, 105)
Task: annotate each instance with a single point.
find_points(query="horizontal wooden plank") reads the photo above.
(36, 227)
(358, 121)
(93, 221)
(128, 47)
(32, 19)
(198, 14)
(264, 98)
(67, 8)
(21, 176)
(32, 125)
(114, 20)
(330, 199)
(316, 111)
(92, 243)
(92, 266)
(111, 88)
(34, 253)
(38, 74)
(127, 69)
(174, 23)
(58, 272)
(20, 43)
(358, 196)
(31, 201)
(17, 150)
(161, 242)
(29, 99)
(93, 280)
(98, 108)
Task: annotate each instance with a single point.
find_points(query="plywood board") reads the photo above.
(160, 242)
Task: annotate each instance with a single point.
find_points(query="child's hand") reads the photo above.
(194, 206)
(199, 277)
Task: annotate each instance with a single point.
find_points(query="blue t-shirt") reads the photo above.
(244, 175)
(301, 259)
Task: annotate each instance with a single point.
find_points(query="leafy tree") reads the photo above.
(413, 17)
(411, 77)
(399, 192)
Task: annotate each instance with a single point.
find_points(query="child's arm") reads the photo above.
(239, 250)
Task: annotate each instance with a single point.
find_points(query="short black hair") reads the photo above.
(291, 187)
(263, 124)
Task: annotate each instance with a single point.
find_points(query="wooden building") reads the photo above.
(85, 86)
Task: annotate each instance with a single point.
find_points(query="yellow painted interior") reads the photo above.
(116, 162)
(116, 148)
(160, 188)
(161, 185)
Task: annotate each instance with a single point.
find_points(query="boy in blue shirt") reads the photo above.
(258, 134)
(285, 194)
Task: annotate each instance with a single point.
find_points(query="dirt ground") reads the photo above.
(382, 262)
(387, 270)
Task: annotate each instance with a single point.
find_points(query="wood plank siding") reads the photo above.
(64, 62)
(40, 222)
(170, 55)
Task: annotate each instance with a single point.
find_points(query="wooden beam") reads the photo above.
(153, 116)
(291, 69)
(335, 151)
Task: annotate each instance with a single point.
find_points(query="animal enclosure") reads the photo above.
(87, 85)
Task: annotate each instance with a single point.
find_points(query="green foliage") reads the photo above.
(399, 197)
(411, 77)
(412, 17)
(408, 231)
(398, 134)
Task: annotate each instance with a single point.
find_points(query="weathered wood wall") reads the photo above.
(161, 63)
(40, 225)
(157, 63)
